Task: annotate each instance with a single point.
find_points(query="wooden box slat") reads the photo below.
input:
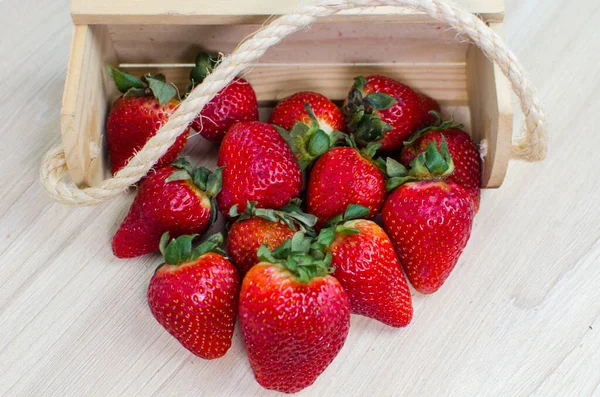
(208, 12)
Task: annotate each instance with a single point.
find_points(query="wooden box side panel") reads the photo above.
(209, 12)
(332, 43)
(85, 104)
(491, 113)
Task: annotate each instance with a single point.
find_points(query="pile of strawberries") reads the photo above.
(300, 194)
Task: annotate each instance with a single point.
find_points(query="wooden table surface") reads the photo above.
(519, 316)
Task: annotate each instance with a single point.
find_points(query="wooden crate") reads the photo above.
(407, 46)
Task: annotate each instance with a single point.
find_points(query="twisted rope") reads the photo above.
(531, 147)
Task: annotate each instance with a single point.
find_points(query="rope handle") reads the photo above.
(531, 147)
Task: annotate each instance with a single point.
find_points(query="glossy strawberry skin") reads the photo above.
(467, 161)
(259, 166)
(131, 122)
(196, 302)
(367, 267)
(341, 177)
(292, 109)
(429, 224)
(234, 103)
(407, 116)
(246, 236)
(292, 331)
(177, 207)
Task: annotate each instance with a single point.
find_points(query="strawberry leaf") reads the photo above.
(359, 83)
(214, 182)
(355, 211)
(319, 143)
(438, 125)
(380, 101)
(201, 175)
(394, 169)
(311, 114)
(179, 175)
(301, 255)
(135, 92)
(162, 91)
(212, 244)
(123, 80)
(326, 236)
(233, 211)
(164, 240)
(204, 65)
(184, 164)
(370, 151)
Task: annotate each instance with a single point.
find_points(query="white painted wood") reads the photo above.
(519, 316)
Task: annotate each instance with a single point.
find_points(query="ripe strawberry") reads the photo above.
(177, 199)
(258, 166)
(429, 220)
(258, 226)
(466, 158)
(293, 109)
(310, 123)
(344, 176)
(381, 109)
(294, 316)
(193, 295)
(137, 115)
(234, 103)
(367, 267)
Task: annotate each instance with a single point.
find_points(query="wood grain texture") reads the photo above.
(357, 42)
(85, 105)
(520, 315)
(491, 112)
(192, 12)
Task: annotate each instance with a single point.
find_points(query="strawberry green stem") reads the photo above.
(179, 250)
(432, 164)
(290, 215)
(301, 255)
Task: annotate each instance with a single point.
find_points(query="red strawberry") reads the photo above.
(429, 221)
(258, 226)
(176, 199)
(344, 176)
(381, 109)
(194, 295)
(258, 166)
(294, 316)
(466, 158)
(367, 267)
(234, 103)
(293, 109)
(310, 123)
(137, 115)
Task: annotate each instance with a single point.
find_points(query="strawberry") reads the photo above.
(380, 109)
(310, 123)
(193, 295)
(367, 267)
(258, 166)
(293, 109)
(428, 219)
(177, 199)
(294, 316)
(344, 176)
(137, 115)
(466, 158)
(258, 226)
(234, 103)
